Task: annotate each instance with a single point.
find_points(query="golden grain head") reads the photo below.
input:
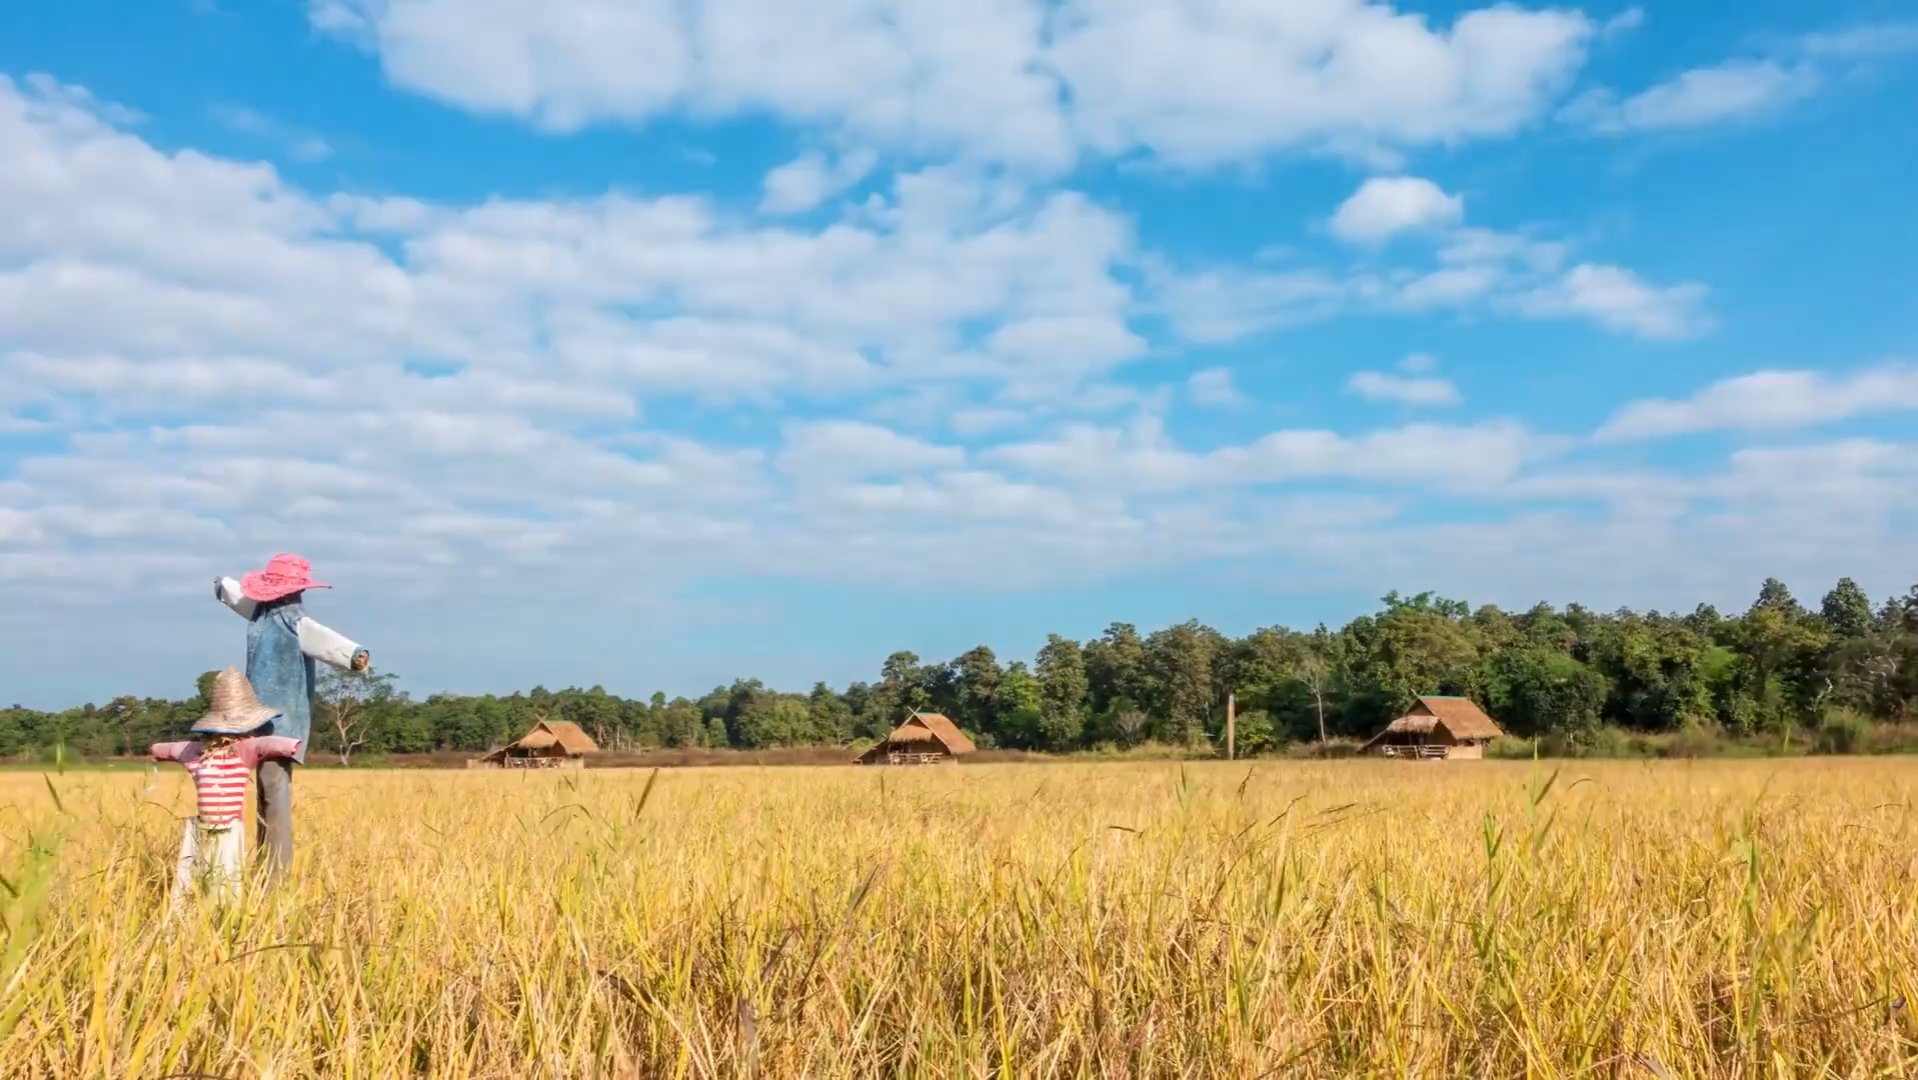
(1300, 920)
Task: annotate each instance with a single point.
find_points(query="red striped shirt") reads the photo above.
(219, 783)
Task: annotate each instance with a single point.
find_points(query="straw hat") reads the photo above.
(285, 574)
(236, 710)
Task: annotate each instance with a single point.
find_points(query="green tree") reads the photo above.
(1182, 689)
(777, 720)
(349, 708)
(1020, 706)
(1254, 733)
(204, 686)
(1413, 648)
(1536, 690)
(1783, 648)
(1847, 610)
(832, 717)
(976, 675)
(682, 726)
(1115, 667)
(1065, 692)
(901, 691)
(1654, 667)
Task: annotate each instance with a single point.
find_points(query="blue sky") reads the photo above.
(649, 344)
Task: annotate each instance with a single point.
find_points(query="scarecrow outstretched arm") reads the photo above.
(174, 751)
(253, 750)
(227, 591)
(327, 646)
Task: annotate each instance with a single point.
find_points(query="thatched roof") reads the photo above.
(550, 733)
(570, 736)
(1460, 717)
(923, 727)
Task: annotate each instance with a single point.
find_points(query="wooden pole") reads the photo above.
(1231, 722)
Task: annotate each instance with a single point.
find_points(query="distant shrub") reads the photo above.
(1696, 742)
(1511, 748)
(1892, 739)
(1331, 748)
(1843, 731)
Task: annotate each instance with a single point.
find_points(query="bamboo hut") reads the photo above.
(1437, 729)
(924, 739)
(551, 744)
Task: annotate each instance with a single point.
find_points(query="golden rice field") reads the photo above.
(1657, 920)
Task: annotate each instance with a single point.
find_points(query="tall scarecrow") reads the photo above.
(282, 643)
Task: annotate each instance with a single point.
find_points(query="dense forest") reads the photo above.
(1570, 674)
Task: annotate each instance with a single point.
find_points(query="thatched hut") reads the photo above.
(1437, 728)
(551, 744)
(924, 739)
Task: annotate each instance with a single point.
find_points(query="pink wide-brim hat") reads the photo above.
(285, 574)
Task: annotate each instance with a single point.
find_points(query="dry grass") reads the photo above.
(1296, 920)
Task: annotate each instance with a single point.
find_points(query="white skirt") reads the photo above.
(213, 854)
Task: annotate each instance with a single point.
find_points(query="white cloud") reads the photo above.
(203, 256)
(1478, 269)
(1472, 247)
(1385, 206)
(1623, 23)
(268, 351)
(1867, 41)
(302, 146)
(1701, 97)
(1616, 298)
(1141, 458)
(1807, 514)
(1018, 81)
(1450, 286)
(1219, 306)
(1744, 88)
(1418, 363)
(1403, 389)
(1770, 401)
(851, 449)
(1200, 83)
(808, 180)
(1214, 388)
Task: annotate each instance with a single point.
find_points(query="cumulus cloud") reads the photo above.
(301, 146)
(1016, 81)
(1477, 269)
(1217, 306)
(1403, 389)
(841, 449)
(1701, 97)
(1214, 388)
(810, 179)
(1744, 88)
(1142, 458)
(1616, 298)
(410, 385)
(1770, 401)
(1385, 206)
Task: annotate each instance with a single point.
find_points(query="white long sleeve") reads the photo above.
(227, 591)
(325, 645)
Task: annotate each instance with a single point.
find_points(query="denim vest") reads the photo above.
(281, 674)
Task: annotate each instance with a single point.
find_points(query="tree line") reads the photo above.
(1568, 673)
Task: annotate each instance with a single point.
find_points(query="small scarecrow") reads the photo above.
(282, 642)
(219, 762)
